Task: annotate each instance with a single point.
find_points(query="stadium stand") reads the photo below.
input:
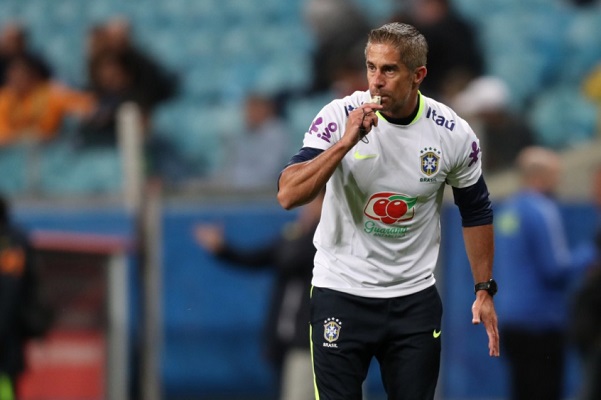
(223, 50)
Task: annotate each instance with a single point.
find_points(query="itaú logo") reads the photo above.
(390, 208)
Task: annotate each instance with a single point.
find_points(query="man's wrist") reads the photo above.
(489, 286)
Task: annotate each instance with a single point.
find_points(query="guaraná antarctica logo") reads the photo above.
(389, 208)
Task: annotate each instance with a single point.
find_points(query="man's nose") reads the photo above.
(379, 79)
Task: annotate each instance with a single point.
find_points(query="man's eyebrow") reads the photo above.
(385, 66)
(390, 67)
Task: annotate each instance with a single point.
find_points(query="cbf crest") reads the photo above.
(331, 330)
(429, 160)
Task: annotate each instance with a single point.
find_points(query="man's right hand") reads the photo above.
(359, 123)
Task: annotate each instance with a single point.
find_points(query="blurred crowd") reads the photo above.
(36, 107)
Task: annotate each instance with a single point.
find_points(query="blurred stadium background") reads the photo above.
(183, 327)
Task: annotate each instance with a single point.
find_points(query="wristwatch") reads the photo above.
(490, 286)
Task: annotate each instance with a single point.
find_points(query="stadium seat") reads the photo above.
(523, 49)
(196, 132)
(204, 83)
(583, 49)
(166, 45)
(70, 14)
(69, 70)
(16, 169)
(8, 11)
(284, 73)
(378, 11)
(563, 118)
(70, 171)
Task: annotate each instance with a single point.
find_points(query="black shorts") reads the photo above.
(403, 333)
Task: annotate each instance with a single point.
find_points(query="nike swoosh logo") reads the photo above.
(363, 156)
(436, 334)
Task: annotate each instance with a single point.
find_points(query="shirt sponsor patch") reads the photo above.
(321, 130)
(390, 208)
(474, 154)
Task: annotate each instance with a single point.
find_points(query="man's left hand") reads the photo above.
(483, 310)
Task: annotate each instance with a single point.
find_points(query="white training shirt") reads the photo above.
(379, 234)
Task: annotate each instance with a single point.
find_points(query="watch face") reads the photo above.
(492, 287)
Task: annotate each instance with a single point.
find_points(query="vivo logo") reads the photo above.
(323, 132)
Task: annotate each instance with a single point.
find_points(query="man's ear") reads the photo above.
(419, 75)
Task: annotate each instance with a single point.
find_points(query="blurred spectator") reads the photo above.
(454, 55)
(254, 159)
(13, 43)
(15, 266)
(112, 85)
(286, 333)
(120, 72)
(485, 104)
(96, 44)
(585, 326)
(340, 29)
(536, 270)
(32, 107)
(151, 82)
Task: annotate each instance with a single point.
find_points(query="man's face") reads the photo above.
(21, 78)
(389, 78)
(552, 178)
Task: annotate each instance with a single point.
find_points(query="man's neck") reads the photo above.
(405, 120)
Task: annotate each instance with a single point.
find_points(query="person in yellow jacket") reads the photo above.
(32, 106)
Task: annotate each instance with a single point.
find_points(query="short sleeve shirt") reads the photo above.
(379, 234)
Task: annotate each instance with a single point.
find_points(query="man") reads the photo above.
(32, 106)
(245, 167)
(286, 329)
(454, 56)
(585, 318)
(15, 278)
(537, 269)
(384, 168)
(486, 104)
(14, 42)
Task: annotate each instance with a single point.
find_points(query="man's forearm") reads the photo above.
(479, 246)
(300, 183)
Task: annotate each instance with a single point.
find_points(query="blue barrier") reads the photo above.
(213, 313)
